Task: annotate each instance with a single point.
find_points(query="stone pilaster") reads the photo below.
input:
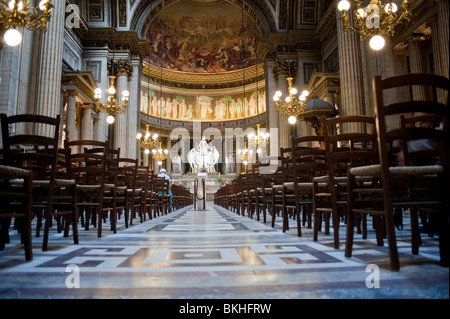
(416, 59)
(71, 116)
(50, 64)
(123, 70)
(351, 77)
(443, 35)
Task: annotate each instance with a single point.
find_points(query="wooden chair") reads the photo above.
(282, 192)
(38, 151)
(94, 167)
(416, 184)
(344, 149)
(161, 189)
(308, 161)
(144, 183)
(16, 203)
(126, 191)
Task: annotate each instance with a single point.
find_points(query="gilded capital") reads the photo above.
(286, 68)
(122, 67)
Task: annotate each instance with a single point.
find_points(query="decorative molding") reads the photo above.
(122, 67)
(285, 68)
(122, 13)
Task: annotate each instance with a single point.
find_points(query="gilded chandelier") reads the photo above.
(160, 154)
(148, 140)
(292, 105)
(112, 106)
(18, 14)
(374, 20)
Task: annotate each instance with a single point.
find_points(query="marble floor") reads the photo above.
(216, 254)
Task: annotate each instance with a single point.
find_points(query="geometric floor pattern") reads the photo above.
(216, 254)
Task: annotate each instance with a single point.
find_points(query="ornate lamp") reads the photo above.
(160, 154)
(18, 14)
(292, 105)
(260, 138)
(148, 140)
(244, 154)
(112, 106)
(374, 20)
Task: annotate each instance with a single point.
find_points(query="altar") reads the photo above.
(211, 182)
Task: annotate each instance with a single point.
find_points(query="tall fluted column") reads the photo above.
(72, 115)
(270, 91)
(283, 69)
(417, 65)
(438, 63)
(86, 124)
(351, 77)
(133, 111)
(122, 68)
(443, 34)
(50, 65)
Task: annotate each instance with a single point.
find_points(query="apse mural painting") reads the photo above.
(203, 38)
(203, 107)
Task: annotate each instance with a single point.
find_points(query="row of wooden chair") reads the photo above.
(352, 171)
(84, 182)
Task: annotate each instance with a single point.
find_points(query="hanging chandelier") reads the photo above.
(111, 106)
(244, 154)
(292, 105)
(374, 20)
(260, 138)
(148, 140)
(160, 154)
(18, 14)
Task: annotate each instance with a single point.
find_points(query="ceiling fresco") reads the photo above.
(206, 37)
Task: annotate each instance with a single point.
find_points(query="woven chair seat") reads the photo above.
(10, 172)
(398, 171)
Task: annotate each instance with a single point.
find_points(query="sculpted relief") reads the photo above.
(204, 107)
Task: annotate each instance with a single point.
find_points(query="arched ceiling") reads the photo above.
(203, 43)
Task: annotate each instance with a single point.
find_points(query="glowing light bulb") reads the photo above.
(377, 42)
(12, 37)
(42, 4)
(159, 163)
(343, 5)
(110, 119)
(139, 135)
(392, 7)
(293, 91)
(292, 120)
(155, 136)
(147, 151)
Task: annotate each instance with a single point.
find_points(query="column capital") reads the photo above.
(285, 68)
(122, 67)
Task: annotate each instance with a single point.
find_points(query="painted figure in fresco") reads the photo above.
(175, 108)
(183, 109)
(162, 106)
(252, 105)
(154, 106)
(168, 107)
(238, 108)
(189, 115)
(232, 109)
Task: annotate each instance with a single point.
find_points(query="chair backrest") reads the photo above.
(36, 151)
(286, 164)
(309, 158)
(127, 172)
(161, 185)
(349, 149)
(87, 168)
(425, 153)
(389, 135)
(144, 178)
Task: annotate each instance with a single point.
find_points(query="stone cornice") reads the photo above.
(120, 40)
